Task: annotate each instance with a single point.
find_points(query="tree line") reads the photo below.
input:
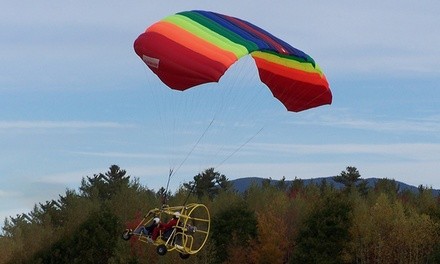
(269, 223)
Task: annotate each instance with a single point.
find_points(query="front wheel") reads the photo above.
(127, 234)
(161, 250)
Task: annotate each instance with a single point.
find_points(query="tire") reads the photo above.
(184, 256)
(127, 234)
(161, 250)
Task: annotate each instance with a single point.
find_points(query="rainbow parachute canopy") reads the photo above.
(196, 47)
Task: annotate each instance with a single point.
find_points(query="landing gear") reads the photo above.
(161, 249)
(127, 234)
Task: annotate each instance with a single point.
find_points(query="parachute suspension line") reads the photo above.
(239, 93)
(194, 147)
(239, 148)
(158, 94)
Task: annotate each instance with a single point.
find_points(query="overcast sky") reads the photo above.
(75, 98)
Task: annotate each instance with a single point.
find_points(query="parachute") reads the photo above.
(196, 47)
(192, 48)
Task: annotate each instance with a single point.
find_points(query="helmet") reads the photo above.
(156, 220)
(176, 214)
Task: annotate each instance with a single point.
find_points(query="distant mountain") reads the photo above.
(242, 184)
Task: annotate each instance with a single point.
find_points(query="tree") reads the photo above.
(295, 188)
(350, 179)
(273, 243)
(324, 235)
(163, 195)
(93, 242)
(208, 183)
(233, 227)
(387, 186)
(105, 186)
(385, 230)
(272, 223)
(16, 232)
(48, 214)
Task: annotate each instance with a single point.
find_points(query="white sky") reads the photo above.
(75, 98)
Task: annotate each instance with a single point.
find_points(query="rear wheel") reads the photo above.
(184, 256)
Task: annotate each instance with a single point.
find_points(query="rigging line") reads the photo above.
(189, 193)
(240, 92)
(158, 94)
(239, 148)
(194, 146)
(168, 184)
(152, 88)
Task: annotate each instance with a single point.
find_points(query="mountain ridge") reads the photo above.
(242, 184)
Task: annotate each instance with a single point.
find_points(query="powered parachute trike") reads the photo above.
(196, 47)
(187, 236)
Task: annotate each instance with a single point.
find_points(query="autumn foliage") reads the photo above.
(269, 223)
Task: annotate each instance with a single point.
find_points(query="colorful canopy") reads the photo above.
(196, 47)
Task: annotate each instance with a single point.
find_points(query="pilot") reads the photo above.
(165, 227)
(148, 230)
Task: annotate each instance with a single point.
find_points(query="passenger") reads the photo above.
(165, 227)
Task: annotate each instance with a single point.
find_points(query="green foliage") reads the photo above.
(275, 222)
(349, 177)
(272, 223)
(325, 233)
(233, 227)
(208, 183)
(104, 186)
(385, 230)
(93, 242)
